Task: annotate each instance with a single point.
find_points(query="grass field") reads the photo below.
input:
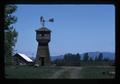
(29, 72)
(58, 72)
(97, 72)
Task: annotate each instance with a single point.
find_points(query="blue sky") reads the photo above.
(77, 28)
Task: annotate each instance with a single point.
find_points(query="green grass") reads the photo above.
(97, 72)
(44, 72)
(29, 72)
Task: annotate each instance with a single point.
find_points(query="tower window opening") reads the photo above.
(41, 34)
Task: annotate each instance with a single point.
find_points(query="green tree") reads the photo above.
(106, 59)
(10, 33)
(96, 58)
(78, 56)
(100, 57)
(59, 62)
(72, 59)
(78, 59)
(91, 59)
(86, 57)
(67, 59)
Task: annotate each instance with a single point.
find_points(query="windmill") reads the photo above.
(43, 37)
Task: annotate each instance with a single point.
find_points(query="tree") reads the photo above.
(59, 62)
(100, 57)
(72, 59)
(10, 33)
(106, 59)
(91, 59)
(78, 56)
(9, 19)
(96, 58)
(67, 59)
(86, 57)
(78, 59)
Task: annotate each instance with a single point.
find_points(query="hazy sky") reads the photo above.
(77, 28)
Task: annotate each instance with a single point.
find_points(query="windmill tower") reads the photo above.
(43, 37)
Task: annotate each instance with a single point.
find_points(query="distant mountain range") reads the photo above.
(109, 55)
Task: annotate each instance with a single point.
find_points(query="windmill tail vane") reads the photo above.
(42, 20)
(51, 20)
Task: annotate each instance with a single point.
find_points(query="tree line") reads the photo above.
(76, 59)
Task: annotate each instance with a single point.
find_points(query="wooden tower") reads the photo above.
(43, 37)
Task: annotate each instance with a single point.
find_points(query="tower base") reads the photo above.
(43, 56)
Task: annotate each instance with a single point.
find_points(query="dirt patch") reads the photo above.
(58, 73)
(75, 73)
(72, 73)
